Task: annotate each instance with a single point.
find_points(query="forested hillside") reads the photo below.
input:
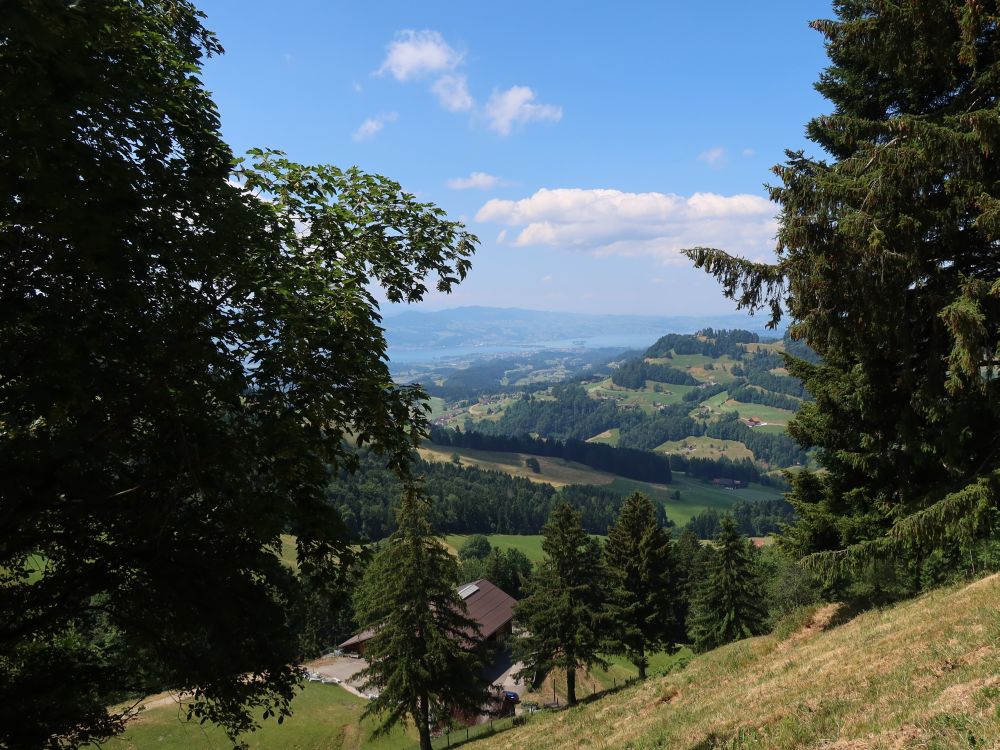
(719, 398)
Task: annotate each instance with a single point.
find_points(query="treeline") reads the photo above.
(670, 423)
(702, 394)
(570, 414)
(634, 373)
(714, 344)
(626, 462)
(464, 500)
(753, 518)
(749, 395)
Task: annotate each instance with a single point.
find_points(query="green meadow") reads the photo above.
(325, 717)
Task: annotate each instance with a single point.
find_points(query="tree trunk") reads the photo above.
(642, 661)
(571, 687)
(423, 721)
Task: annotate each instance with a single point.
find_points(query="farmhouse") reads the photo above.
(734, 484)
(490, 607)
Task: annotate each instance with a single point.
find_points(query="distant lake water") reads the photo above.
(411, 356)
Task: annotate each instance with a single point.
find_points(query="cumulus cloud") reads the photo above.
(516, 106)
(452, 91)
(476, 181)
(714, 157)
(749, 152)
(610, 222)
(371, 127)
(413, 54)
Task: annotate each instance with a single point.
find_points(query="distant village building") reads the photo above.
(733, 484)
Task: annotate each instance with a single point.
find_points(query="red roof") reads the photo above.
(489, 606)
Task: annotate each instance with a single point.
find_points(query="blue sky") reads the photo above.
(583, 142)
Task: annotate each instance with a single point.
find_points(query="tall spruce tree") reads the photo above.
(644, 594)
(888, 265)
(728, 602)
(562, 616)
(424, 658)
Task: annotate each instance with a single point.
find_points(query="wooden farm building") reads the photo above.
(490, 607)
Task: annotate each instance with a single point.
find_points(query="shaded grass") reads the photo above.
(325, 716)
(529, 544)
(923, 674)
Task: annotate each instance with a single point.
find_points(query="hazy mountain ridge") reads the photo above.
(494, 326)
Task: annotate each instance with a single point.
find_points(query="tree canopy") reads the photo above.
(727, 603)
(423, 659)
(185, 344)
(563, 614)
(887, 264)
(645, 588)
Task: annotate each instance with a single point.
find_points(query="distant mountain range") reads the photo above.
(497, 327)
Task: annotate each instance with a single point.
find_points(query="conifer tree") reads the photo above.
(422, 658)
(644, 595)
(887, 264)
(728, 603)
(563, 614)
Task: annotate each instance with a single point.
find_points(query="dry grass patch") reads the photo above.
(923, 674)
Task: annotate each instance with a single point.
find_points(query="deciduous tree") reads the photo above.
(184, 347)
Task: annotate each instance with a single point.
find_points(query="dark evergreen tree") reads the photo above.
(644, 594)
(888, 266)
(728, 600)
(690, 555)
(423, 658)
(562, 616)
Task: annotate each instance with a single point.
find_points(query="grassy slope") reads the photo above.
(923, 674)
(326, 717)
(554, 471)
(695, 495)
(529, 544)
(706, 447)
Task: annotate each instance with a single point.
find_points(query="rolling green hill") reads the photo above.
(924, 674)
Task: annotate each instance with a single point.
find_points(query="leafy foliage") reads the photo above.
(184, 347)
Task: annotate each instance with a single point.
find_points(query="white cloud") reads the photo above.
(715, 157)
(477, 181)
(515, 106)
(546, 279)
(413, 54)
(452, 91)
(612, 222)
(371, 127)
(357, 87)
(748, 152)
